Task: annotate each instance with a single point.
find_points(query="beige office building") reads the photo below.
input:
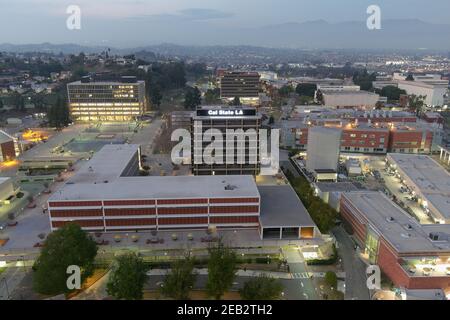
(91, 101)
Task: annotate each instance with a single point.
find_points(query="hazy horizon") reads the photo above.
(135, 23)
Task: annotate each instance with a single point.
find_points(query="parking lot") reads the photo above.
(392, 185)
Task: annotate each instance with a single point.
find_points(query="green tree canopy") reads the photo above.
(212, 95)
(221, 270)
(261, 288)
(392, 92)
(127, 277)
(364, 79)
(155, 96)
(58, 114)
(306, 89)
(284, 91)
(66, 246)
(179, 282)
(331, 279)
(417, 103)
(192, 98)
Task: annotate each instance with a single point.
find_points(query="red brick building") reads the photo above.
(108, 195)
(413, 256)
(7, 147)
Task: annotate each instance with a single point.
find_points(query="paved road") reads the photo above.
(355, 268)
(146, 136)
(302, 286)
(9, 280)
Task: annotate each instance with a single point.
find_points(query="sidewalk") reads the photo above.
(239, 273)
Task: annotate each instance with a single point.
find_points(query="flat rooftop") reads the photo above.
(281, 207)
(398, 228)
(117, 83)
(428, 176)
(154, 187)
(105, 177)
(349, 93)
(106, 165)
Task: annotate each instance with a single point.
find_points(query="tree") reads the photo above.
(127, 278)
(331, 279)
(38, 100)
(261, 288)
(236, 101)
(271, 120)
(18, 101)
(67, 246)
(192, 98)
(179, 282)
(221, 270)
(410, 77)
(1, 104)
(58, 114)
(306, 89)
(417, 103)
(364, 79)
(155, 96)
(319, 96)
(392, 92)
(285, 91)
(212, 95)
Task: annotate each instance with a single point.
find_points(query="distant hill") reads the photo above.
(410, 34)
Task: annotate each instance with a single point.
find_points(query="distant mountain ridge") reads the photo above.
(409, 34)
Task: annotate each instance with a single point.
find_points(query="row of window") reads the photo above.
(161, 221)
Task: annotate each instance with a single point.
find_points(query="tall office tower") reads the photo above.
(239, 127)
(323, 152)
(91, 101)
(244, 85)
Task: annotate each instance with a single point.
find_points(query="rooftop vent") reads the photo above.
(230, 187)
(390, 219)
(406, 235)
(408, 227)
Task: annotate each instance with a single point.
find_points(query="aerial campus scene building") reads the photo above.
(277, 160)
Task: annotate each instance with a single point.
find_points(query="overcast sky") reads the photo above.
(127, 23)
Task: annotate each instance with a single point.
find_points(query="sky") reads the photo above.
(131, 23)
